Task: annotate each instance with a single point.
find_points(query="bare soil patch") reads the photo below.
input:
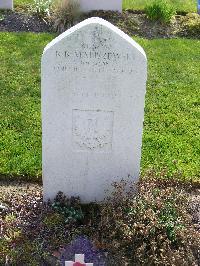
(24, 188)
(18, 21)
(30, 226)
(132, 22)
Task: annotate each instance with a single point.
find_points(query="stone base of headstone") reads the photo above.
(6, 4)
(89, 5)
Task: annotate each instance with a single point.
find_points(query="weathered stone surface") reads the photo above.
(6, 4)
(93, 89)
(88, 5)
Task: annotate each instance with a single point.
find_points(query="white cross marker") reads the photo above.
(79, 261)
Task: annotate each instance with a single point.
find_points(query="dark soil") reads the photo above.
(137, 23)
(132, 22)
(17, 21)
(22, 188)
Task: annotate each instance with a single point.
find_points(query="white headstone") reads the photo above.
(6, 4)
(93, 90)
(88, 5)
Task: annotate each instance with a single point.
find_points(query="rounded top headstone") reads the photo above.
(92, 21)
(93, 90)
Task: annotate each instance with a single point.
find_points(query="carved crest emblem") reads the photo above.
(92, 130)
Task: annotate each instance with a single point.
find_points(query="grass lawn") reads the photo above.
(23, 2)
(172, 117)
(180, 5)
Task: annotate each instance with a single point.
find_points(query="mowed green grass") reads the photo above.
(20, 102)
(180, 5)
(172, 112)
(23, 2)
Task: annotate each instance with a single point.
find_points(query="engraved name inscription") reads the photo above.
(92, 130)
(113, 56)
(93, 61)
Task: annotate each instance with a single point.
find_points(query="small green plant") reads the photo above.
(41, 8)
(52, 220)
(69, 208)
(160, 10)
(2, 16)
(64, 14)
(169, 219)
(152, 227)
(191, 24)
